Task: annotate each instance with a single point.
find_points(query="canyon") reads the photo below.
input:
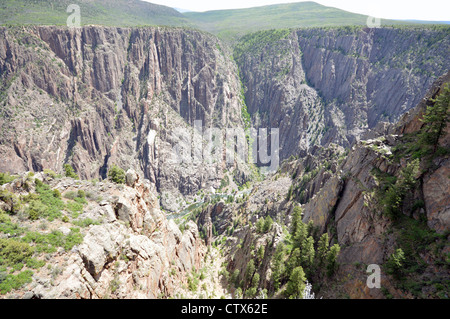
(343, 99)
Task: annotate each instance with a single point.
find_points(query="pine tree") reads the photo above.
(267, 224)
(249, 272)
(278, 266)
(69, 171)
(332, 259)
(436, 118)
(300, 235)
(322, 248)
(260, 226)
(307, 255)
(296, 218)
(297, 284)
(293, 261)
(117, 175)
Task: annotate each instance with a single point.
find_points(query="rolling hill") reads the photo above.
(231, 24)
(98, 12)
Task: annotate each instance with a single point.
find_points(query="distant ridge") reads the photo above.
(98, 12)
(229, 24)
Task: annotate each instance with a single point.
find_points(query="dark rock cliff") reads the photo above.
(331, 85)
(95, 96)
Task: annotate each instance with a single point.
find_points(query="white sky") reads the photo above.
(436, 10)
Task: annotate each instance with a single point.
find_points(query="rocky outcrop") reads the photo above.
(347, 205)
(132, 251)
(436, 197)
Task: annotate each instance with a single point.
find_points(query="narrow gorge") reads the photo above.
(349, 104)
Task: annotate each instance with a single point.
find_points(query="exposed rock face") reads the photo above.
(347, 201)
(95, 96)
(331, 85)
(437, 201)
(133, 252)
(338, 192)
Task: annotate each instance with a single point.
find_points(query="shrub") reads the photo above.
(86, 222)
(50, 173)
(49, 203)
(7, 227)
(36, 210)
(5, 178)
(268, 222)
(74, 238)
(260, 225)
(70, 195)
(34, 263)
(75, 208)
(69, 171)
(12, 201)
(11, 282)
(48, 242)
(13, 252)
(117, 175)
(395, 262)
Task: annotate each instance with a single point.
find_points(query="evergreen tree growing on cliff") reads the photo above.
(436, 118)
(322, 249)
(69, 172)
(117, 175)
(278, 267)
(332, 263)
(297, 284)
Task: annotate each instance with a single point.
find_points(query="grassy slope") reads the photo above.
(229, 24)
(100, 12)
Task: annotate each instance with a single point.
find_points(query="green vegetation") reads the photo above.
(11, 282)
(116, 174)
(224, 182)
(69, 172)
(5, 178)
(100, 12)
(256, 42)
(11, 200)
(424, 144)
(13, 252)
(232, 24)
(407, 264)
(8, 227)
(399, 198)
(296, 284)
(14, 255)
(392, 197)
(21, 247)
(49, 243)
(301, 256)
(45, 203)
(395, 263)
(435, 119)
(264, 225)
